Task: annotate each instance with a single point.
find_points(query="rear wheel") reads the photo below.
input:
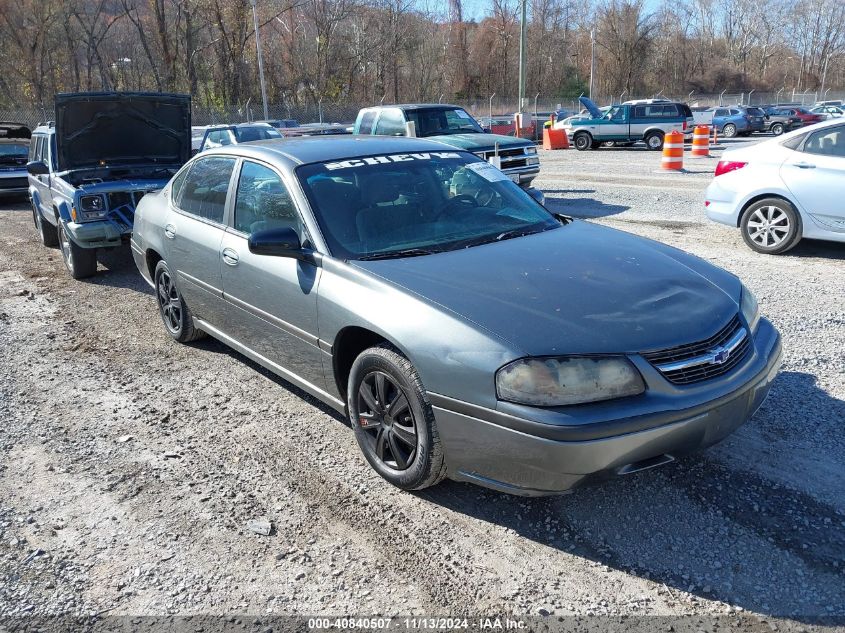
(771, 226)
(777, 129)
(80, 262)
(393, 421)
(582, 141)
(729, 131)
(654, 141)
(46, 231)
(175, 313)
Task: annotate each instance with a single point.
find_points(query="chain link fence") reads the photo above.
(344, 112)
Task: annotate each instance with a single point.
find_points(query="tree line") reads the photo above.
(365, 51)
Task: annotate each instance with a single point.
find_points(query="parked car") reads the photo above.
(197, 134)
(464, 330)
(828, 111)
(626, 124)
(833, 102)
(735, 121)
(802, 114)
(105, 152)
(222, 135)
(14, 150)
(282, 124)
(454, 126)
(503, 125)
(777, 120)
(783, 189)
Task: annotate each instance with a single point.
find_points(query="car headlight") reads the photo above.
(531, 150)
(92, 207)
(549, 382)
(749, 308)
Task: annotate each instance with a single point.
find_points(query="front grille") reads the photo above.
(510, 158)
(704, 371)
(13, 183)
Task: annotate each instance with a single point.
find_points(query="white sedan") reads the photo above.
(783, 189)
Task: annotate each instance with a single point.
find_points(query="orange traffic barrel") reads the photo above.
(673, 151)
(700, 142)
(555, 139)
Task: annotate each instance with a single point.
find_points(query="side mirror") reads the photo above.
(283, 242)
(37, 168)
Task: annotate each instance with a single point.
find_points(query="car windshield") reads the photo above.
(436, 121)
(15, 150)
(403, 205)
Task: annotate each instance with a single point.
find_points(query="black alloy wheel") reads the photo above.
(386, 418)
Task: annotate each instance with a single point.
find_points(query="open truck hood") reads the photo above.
(105, 129)
(591, 107)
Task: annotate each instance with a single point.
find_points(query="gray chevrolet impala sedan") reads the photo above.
(466, 331)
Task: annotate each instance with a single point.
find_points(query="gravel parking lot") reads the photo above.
(132, 466)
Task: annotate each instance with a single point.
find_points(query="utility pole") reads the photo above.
(592, 58)
(522, 27)
(260, 61)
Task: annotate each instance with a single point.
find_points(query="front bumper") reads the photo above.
(97, 234)
(518, 461)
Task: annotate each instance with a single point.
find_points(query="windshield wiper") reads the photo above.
(407, 252)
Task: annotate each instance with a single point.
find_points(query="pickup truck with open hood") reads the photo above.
(89, 168)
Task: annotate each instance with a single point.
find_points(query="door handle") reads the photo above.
(230, 257)
(169, 231)
(804, 165)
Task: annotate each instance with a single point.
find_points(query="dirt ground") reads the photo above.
(131, 466)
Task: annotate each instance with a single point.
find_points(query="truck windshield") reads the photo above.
(404, 205)
(436, 121)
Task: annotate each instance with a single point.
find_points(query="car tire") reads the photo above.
(582, 141)
(729, 131)
(80, 262)
(393, 420)
(771, 226)
(777, 129)
(175, 314)
(46, 231)
(654, 141)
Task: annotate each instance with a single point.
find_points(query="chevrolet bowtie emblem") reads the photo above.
(719, 355)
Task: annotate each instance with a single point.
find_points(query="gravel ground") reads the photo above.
(135, 472)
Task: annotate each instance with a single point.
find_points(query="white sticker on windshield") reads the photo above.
(393, 158)
(463, 114)
(487, 171)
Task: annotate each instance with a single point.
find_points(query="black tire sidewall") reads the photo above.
(794, 220)
(657, 147)
(162, 267)
(583, 141)
(390, 362)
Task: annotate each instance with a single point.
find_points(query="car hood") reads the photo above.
(122, 128)
(579, 289)
(591, 107)
(480, 142)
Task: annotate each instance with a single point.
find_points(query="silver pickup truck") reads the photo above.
(454, 126)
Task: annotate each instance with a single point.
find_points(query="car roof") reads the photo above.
(416, 106)
(299, 150)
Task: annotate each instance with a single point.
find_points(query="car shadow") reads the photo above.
(582, 207)
(818, 248)
(700, 526)
(120, 271)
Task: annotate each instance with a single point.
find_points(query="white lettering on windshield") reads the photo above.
(395, 158)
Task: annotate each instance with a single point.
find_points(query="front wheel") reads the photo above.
(175, 314)
(729, 131)
(777, 129)
(80, 262)
(393, 421)
(771, 226)
(46, 231)
(583, 141)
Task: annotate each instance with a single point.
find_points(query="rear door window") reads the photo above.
(206, 187)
